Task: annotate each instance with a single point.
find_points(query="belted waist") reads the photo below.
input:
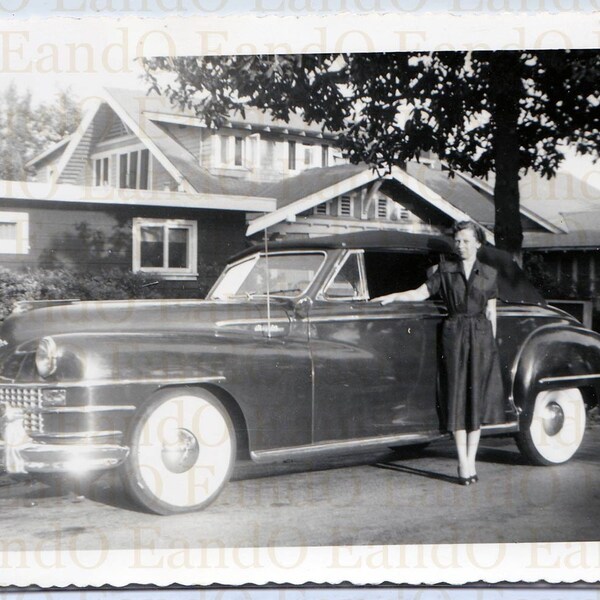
(467, 316)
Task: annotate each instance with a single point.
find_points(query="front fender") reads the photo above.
(128, 358)
(556, 356)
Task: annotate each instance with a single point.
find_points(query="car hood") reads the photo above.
(130, 316)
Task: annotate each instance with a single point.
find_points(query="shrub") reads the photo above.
(57, 284)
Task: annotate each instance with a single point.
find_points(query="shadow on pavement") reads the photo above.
(420, 472)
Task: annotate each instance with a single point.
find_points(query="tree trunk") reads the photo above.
(506, 90)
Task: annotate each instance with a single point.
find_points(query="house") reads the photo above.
(144, 186)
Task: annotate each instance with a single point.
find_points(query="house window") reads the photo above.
(382, 208)
(101, 171)
(324, 156)
(14, 233)
(308, 155)
(224, 140)
(232, 152)
(165, 247)
(239, 151)
(268, 154)
(133, 170)
(345, 206)
(292, 156)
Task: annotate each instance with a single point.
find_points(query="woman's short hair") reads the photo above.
(476, 229)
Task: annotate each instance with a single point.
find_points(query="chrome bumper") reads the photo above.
(55, 458)
(19, 453)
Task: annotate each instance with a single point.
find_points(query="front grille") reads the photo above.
(29, 400)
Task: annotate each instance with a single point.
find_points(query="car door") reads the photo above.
(375, 367)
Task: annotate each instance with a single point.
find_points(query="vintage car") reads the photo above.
(287, 359)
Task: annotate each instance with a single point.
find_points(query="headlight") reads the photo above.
(46, 357)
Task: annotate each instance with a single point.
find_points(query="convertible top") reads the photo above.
(513, 285)
(371, 240)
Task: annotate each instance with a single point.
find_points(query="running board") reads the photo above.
(363, 444)
(344, 447)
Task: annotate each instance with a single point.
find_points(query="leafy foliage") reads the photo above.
(60, 284)
(481, 112)
(26, 130)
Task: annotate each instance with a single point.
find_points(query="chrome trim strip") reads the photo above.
(569, 377)
(103, 382)
(512, 426)
(83, 409)
(77, 434)
(253, 321)
(374, 317)
(278, 454)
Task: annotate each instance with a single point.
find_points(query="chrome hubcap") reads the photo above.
(553, 418)
(182, 454)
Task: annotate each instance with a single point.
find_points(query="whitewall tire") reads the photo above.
(556, 429)
(182, 452)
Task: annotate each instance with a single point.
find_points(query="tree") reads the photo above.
(500, 112)
(26, 130)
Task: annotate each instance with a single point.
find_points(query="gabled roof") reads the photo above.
(48, 152)
(312, 187)
(583, 232)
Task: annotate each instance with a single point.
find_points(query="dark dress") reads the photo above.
(473, 382)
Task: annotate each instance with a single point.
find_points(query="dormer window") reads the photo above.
(291, 155)
(133, 170)
(232, 152)
(101, 171)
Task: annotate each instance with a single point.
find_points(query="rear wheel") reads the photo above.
(182, 452)
(556, 428)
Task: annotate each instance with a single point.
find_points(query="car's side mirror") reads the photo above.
(302, 307)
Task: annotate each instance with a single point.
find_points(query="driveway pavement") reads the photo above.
(404, 498)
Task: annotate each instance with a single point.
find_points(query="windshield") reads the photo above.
(289, 275)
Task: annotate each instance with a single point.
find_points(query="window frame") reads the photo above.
(227, 154)
(363, 292)
(166, 272)
(20, 245)
(114, 156)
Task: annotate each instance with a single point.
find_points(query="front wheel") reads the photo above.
(182, 452)
(555, 430)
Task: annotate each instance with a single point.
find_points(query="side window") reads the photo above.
(346, 285)
(389, 272)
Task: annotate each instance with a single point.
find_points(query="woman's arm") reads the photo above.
(490, 313)
(420, 293)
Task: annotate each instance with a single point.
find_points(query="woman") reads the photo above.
(470, 357)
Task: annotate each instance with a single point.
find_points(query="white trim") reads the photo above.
(76, 139)
(65, 192)
(308, 202)
(422, 190)
(42, 155)
(174, 119)
(20, 245)
(189, 272)
(135, 145)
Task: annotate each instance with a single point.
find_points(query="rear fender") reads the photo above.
(556, 356)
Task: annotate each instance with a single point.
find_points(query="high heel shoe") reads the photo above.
(474, 478)
(463, 480)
